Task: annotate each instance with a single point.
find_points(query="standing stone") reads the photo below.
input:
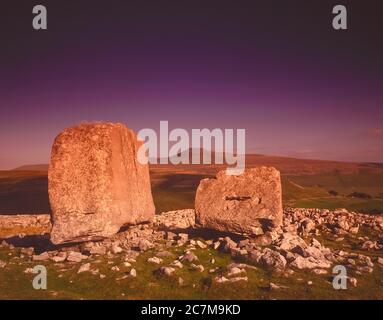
(96, 183)
(250, 203)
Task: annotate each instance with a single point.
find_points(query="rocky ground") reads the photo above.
(173, 258)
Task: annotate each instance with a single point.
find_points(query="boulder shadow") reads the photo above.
(40, 243)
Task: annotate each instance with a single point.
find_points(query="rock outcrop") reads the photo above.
(250, 203)
(25, 221)
(178, 219)
(96, 183)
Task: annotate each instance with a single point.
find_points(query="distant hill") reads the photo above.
(284, 164)
(32, 167)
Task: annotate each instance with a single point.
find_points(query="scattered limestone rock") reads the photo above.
(179, 219)
(167, 271)
(201, 244)
(27, 251)
(177, 264)
(199, 267)
(145, 245)
(234, 271)
(180, 281)
(189, 257)
(60, 257)
(222, 279)
(74, 256)
(100, 250)
(116, 249)
(155, 260)
(133, 273)
(353, 281)
(164, 254)
(13, 223)
(41, 257)
(84, 268)
(273, 259)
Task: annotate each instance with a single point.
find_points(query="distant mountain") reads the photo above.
(32, 167)
(192, 152)
(285, 164)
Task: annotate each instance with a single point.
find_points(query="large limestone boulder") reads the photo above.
(96, 183)
(250, 203)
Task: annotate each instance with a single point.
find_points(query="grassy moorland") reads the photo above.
(305, 183)
(65, 283)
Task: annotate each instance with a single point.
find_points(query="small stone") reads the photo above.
(100, 250)
(167, 271)
(216, 245)
(133, 273)
(145, 245)
(354, 230)
(199, 267)
(116, 249)
(155, 260)
(273, 286)
(170, 235)
(320, 271)
(183, 237)
(237, 253)
(85, 267)
(220, 279)
(273, 259)
(353, 281)
(234, 271)
(236, 279)
(189, 257)
(4, 244)
(27, 251)
(76, 257)
(165, 254)
(177, 264)
(95, 271)
(41, 257)
(201, 244)
(115, 268)
(28, 270)
(60, 257)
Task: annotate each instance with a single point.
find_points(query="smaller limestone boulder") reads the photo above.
(250, 203)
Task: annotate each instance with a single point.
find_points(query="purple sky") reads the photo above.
(277, 69)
